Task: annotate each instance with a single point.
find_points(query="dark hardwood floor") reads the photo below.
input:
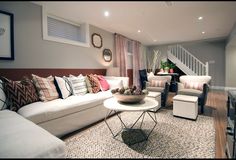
(216, 107)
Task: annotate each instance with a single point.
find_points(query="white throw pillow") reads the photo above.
(2, 97)
(149, 75)
(78, 84)
(63, 86)
(115, 83)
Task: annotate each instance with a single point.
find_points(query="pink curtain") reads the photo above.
(121, 54)
(136, 63)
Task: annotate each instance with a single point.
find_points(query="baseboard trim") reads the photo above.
(222, 88)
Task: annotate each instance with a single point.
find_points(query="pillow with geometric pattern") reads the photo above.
(157, 83)
(93, 83)
(19, 93)
(194, 85)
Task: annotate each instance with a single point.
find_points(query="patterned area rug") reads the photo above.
(172, 137)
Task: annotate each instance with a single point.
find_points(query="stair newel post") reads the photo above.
(207, 68)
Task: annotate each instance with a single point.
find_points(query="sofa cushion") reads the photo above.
(63, 87)
(21, 138)
(78, 84)
(40, 112)
(190, 92)
(188, 78)
(19, 93)
(155, 89)
(46, 88)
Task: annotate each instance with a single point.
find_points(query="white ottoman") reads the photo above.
(157, 97)
(185, 106)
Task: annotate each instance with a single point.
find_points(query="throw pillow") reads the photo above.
(19, 93)
(157, 83)
(63, 87)
(2, 97)
(93, 83)
(103, 82)
(149, 75)
(78, 84)
(194, 85)
(46, 88)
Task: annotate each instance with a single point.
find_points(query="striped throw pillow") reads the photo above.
(157, 83)
(46, 88)
(194, 85)
(78, 84)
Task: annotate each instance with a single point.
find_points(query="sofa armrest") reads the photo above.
(180, 86)
(205, 92)
(147, 84)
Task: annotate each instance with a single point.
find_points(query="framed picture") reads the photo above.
(6, 36)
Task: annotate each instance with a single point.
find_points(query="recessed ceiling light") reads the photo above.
(203, 32)
(154, 40)
(139, 31)
(200, 18)
(106, 13)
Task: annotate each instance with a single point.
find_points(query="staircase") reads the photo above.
(188, 63)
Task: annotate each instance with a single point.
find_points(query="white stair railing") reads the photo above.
(179, 54)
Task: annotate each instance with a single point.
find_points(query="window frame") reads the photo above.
(45, 15)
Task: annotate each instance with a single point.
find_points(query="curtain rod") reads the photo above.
(127, 37)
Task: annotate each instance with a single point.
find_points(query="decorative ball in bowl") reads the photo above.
(129, 95)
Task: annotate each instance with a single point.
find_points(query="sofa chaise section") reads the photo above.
(21, 138)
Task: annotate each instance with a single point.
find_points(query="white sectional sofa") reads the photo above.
(62, 116)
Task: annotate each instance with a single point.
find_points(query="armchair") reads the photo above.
(159, 84)
(195, 86)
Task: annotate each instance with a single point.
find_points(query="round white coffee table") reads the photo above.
(146, 106)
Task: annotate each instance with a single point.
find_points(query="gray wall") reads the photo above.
(230, 59)
(31, 51)
(212, 51)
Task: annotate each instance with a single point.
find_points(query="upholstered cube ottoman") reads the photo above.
(157, 97)
(185, 106)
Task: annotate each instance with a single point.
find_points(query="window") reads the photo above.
(130, 55)
(64, 31)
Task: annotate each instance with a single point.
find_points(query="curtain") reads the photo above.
(136, 63)
(121, 54)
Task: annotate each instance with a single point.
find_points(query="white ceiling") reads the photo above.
(156, 20)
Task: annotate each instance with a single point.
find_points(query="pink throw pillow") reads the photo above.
(103, 82)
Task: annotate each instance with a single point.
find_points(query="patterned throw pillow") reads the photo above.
(194, 85)
(63, 87)
(157, 83)
(46, 88)
(19, 93)
(78, 84)
(93, 83)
